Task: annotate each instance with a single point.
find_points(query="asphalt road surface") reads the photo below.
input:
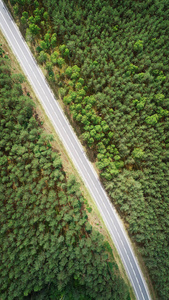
(75, 151)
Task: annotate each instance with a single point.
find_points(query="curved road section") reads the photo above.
(75, 151)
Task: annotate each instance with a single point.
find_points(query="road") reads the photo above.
(75, 150)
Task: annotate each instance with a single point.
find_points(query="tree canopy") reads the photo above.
(48, 247)
(112, 71)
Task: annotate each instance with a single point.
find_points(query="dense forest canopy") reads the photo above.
(110, 62)
(48, 248)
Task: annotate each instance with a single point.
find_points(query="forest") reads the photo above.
(48, 248)
(109, 61)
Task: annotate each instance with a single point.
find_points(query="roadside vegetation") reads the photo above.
(109, 60)
(48, 248)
